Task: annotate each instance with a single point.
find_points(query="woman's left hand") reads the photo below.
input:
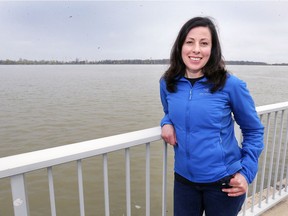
(239, 186)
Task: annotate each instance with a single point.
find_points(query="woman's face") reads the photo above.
(196, 51)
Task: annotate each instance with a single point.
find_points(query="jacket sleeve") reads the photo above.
(245, 114)
(163, 96)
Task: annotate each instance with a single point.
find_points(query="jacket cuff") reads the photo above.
(165, 120)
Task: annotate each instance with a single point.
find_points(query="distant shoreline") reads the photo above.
(117, 62)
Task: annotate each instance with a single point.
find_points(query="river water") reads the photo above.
(53, 105)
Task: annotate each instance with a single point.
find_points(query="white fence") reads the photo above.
(269, 187)
(270, 184)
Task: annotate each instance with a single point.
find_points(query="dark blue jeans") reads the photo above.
(194, 199)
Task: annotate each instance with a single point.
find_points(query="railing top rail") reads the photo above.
(26, 162)
(272, 108)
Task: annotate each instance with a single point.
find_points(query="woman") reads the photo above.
(201, 100)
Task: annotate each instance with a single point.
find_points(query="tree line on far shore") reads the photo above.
(124, 61)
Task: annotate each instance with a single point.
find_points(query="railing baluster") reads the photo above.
(106, 184)
(244, 207)
(164, 181)
(128, 182)
(20, 200)
(266, 141)
(278, 153)
(272, 156)
(286, 182)
(51, 191)
(284, 159)
(80, 187)
(254, 185)
(147, 179)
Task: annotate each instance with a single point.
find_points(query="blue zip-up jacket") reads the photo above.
(207, 149)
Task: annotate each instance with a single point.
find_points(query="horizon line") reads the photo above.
(121, 61)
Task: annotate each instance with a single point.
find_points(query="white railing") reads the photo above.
(269, 187)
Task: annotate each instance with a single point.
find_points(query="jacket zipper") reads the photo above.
(187, 122)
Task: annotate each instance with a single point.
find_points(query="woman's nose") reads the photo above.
(196, 48)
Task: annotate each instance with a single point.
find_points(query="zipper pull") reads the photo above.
(190, 96)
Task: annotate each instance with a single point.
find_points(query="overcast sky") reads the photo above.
(98, 30)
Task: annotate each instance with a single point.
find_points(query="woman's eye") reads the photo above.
(204, 43)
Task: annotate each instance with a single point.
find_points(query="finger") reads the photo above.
(237, 192)
(173, 143)
(234, 191)
(170, 142)
(231, 190)
(234, 181)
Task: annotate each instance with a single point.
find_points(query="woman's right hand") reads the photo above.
(168, 134)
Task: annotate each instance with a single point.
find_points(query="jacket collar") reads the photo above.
(183, 79)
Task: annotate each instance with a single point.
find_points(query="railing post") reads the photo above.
(266, 142)
(20, 200)
(164, 180)
(51, 191)
(284, 161)
(278, 155)
(80, 187)
(128, 182)
(272, 156)
(106, 184)
(148, 179)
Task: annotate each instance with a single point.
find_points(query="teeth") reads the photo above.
(195, 59)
